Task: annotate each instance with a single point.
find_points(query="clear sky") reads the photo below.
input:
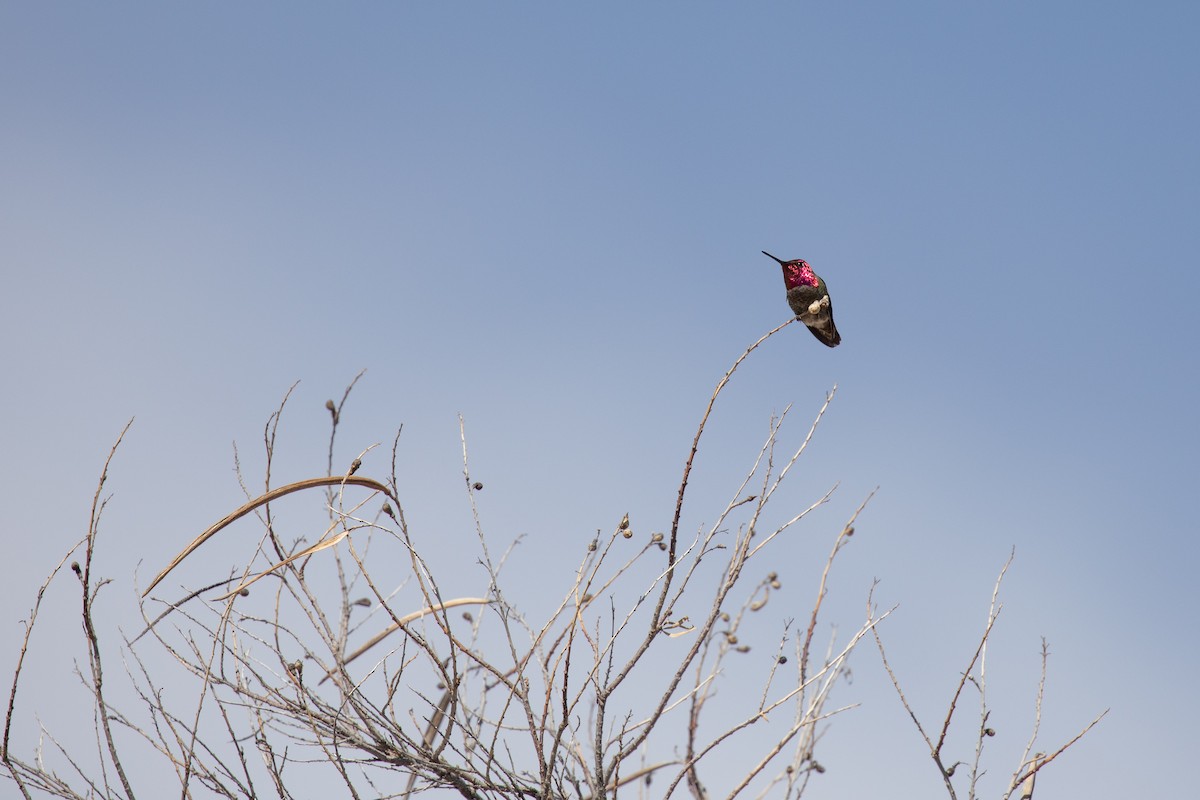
(548, 217)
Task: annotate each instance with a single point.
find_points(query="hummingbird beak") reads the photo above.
(768, 255)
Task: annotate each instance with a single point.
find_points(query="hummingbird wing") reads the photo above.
(813, 308)
(823, 328)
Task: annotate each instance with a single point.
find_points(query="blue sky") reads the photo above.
(548, 218)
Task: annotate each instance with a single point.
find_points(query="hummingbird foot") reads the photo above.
(816, 305)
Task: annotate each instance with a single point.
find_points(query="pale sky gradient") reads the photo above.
(548, 218)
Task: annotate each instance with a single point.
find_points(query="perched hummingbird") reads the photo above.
(809, 298)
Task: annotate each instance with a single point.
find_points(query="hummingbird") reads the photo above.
(809, 298)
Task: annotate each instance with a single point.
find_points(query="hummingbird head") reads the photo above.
(796, 272)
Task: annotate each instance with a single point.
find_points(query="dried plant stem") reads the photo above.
(976, 675)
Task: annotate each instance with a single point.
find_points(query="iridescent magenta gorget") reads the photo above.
(799, 273)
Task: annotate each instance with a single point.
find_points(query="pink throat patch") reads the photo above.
(799, 274)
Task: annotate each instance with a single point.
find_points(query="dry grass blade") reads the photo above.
(407, 618)
(274, 494)
(324, 544)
